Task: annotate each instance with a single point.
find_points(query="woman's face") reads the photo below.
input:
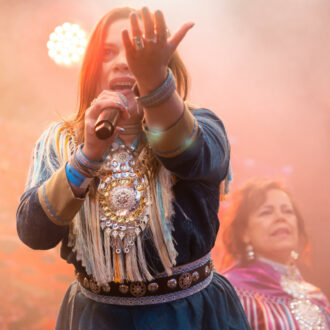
(272, 228)
(115, 74)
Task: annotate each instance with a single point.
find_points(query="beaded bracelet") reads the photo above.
(84, 161)
(87, 167)
(161, 94)
(89, 173)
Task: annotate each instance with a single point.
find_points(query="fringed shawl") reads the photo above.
(53, 150)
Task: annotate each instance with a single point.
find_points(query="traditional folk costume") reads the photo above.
(140, 239)
(275, 296)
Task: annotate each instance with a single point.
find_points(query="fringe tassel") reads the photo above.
(165, 210)
(142, 261)
(132, 268)
(94, 249)
(97, 243)
(158, 238)
(128, 261)
(120, 275)
(108, 256)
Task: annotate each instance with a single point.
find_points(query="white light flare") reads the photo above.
(66, 45)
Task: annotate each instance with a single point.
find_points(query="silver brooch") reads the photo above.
(137, 289)
(195, 276)
(123, 288)
(185, 280)
(152, 287)
(172, 283)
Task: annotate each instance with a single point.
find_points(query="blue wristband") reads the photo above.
(74, 176)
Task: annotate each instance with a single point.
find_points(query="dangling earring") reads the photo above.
(250, 255)
(294, 255)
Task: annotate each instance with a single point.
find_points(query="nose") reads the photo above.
(120, 63)
(279, 216)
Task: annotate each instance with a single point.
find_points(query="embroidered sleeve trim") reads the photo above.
(176, 139)
(57, 199)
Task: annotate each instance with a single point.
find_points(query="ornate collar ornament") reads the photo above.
(131, 198)
(124, 198)
(308, 315)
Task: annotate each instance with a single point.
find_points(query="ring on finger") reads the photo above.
(138, 42)
(153, 40)
(163, 36)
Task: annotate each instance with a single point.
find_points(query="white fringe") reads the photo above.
(93, 248)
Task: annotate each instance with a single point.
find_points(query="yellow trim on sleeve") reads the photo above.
(176, 139)
(58, 200)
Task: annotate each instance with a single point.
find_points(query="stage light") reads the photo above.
(67, 44)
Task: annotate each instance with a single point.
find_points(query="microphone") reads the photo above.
(106, 123)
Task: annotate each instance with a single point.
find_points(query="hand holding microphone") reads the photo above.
(107, 121)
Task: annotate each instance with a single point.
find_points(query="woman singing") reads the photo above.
(130, 188)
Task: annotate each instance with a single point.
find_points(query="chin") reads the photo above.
(283, 249)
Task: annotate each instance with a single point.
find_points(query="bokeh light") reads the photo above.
(67, 44)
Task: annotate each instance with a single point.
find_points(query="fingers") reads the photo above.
(136, 30)
(148, 22)
(180, 34)
(127, 42)
(105, 101)
(161, 29)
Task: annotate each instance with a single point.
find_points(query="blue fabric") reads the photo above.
(74, 176)
(198, 171)
(214, 308)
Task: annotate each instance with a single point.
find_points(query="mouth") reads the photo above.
(121, 84)
(281, 232)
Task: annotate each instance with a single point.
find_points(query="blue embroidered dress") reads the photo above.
(199, 167)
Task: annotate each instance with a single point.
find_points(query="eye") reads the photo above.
(264, 213)
(288, 211)
(109, 53)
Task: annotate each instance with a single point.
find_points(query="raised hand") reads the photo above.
(149, 50)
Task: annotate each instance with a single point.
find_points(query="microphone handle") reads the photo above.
(106, 123)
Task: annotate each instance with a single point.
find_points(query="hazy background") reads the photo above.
(262, 66)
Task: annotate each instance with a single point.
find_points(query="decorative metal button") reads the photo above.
(152, 287)
(94, 287)
(207, 270)
(123, 288)
(185, 280)
(172, 283)
(106, 288)
(138, 289)
(86, 283)
(195, 276)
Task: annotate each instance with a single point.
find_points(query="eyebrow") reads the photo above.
(269, 205)
(107, 44)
